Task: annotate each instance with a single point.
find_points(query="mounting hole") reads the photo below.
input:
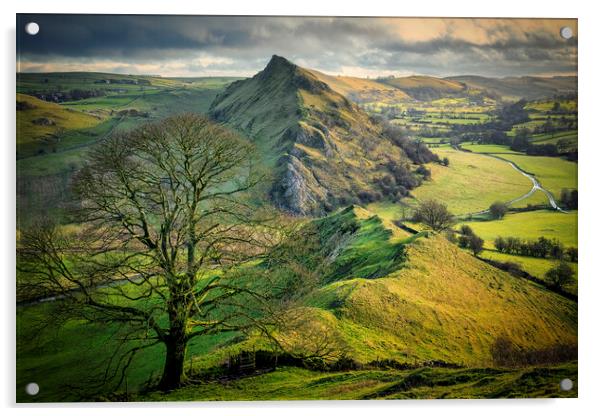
(566, 384)
(32, 28)
(32, 389)
(566, 33)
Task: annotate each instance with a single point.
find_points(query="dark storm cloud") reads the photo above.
(187, 45)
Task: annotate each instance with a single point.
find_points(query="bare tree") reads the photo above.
(434, 214)
(164, 208)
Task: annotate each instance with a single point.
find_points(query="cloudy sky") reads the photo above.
(237, 45)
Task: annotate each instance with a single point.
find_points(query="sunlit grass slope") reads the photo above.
(362, 89)
(445, 304)
(38, 121)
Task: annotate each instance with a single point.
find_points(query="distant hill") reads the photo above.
(514, 88)
(362, 90)
(425, 88)
(325, 151)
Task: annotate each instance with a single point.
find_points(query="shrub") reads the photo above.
(572, 254)
(569, 198)
(475, 243)
(500, 244)
(498, 210)
(560, 275)
(466, 230)
(506, 354)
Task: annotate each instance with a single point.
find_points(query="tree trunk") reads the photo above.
(173, 370)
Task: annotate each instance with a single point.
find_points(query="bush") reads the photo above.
(424, 172)
(560, 275)
(572, 254)
(466, 230)
(569, 198)
(500, 244)
(498, 210)
(541, 248)
(475, 243)
(505, 354)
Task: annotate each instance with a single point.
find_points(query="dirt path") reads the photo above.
(536, 184)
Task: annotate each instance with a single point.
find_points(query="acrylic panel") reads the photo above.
(295, 208)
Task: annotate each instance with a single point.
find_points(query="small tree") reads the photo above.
(445, 161)
(569, 198)
(475, 243)
(466, 230)
(572, 254)
(435, 215)
(560, 275)
(500, 244)
(498, 210)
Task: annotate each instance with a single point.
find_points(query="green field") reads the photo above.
(489, 148)
(531, 225)
(49, 153)
(532, 265)
(554, 173)
(471, 182)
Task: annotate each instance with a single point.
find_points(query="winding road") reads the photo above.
(536, 184)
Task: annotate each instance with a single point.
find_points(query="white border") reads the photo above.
(590, 146)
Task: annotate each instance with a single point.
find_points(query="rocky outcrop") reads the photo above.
(298, 190)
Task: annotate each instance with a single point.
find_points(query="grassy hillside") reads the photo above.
(450, 310)
(40, 123)
(425, 88)
(514, 88)
(53, 137)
